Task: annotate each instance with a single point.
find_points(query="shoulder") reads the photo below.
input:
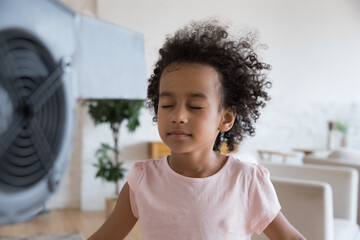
(149, 166)
(245, 166)
(141, 170)
(144, 165)
(247, 169)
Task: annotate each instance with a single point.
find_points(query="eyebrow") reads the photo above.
(193, 95)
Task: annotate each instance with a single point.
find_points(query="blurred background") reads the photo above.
(314, 50)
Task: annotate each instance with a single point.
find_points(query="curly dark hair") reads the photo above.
(242, 75)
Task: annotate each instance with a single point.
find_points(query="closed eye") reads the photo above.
(166, 106)
(196, 108)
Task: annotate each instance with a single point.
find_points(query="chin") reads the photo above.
(179, 148)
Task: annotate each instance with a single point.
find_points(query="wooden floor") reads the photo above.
(62, 221)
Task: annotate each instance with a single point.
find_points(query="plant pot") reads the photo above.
(110, 203)
(344, 140)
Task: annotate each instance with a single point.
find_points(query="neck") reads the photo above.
(197, 165)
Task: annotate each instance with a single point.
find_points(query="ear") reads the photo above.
(228, 119)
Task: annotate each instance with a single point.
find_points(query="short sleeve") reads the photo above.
(134, 179)
(263, 204)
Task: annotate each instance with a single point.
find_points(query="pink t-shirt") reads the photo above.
(233, 203)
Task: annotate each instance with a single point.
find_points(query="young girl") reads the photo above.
(206, 89)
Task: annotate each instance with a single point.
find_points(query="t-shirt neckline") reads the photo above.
(192, 179)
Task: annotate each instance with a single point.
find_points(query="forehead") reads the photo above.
(189, 78)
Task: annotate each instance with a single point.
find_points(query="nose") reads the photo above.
(179, 115)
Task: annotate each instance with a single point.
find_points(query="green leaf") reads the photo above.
(115, 111)
(342, 127)
(107, 169)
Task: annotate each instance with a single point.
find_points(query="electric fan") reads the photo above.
(49, 57)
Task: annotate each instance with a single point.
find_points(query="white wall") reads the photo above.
(314, 48)
(313, 45)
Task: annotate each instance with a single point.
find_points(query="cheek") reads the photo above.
(161, 120)
(211, 122)
(160, 115)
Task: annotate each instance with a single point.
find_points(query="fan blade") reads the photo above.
(8, 76)
(10, 135)
(41, 144)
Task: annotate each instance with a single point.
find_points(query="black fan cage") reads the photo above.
(32, 81)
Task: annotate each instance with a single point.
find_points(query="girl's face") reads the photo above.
(188, 115)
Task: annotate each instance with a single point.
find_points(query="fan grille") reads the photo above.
(32, 80)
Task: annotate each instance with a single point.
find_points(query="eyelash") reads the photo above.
(169, 106)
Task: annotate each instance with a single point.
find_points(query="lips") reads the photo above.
(178, 133)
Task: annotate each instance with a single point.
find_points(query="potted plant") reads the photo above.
(343, 128)
(113, 112)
